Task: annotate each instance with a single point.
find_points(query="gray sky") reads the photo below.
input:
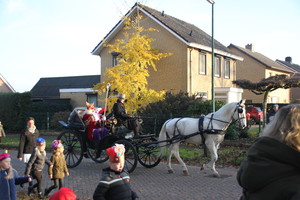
(50, 38)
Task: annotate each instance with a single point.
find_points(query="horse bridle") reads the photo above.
(239, 109)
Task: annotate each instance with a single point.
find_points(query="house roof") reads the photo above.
(261, 59)
(292, 66)
(7, 84)
(49, 87)
(188, 33)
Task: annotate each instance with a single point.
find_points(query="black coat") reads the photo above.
(270, 172)
(120, 113)
(27, 142)
(114, 186)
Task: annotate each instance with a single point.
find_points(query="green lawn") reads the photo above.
(12, 142)
(231, 152)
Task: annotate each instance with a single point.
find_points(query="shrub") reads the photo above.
(232, 132)
(203, 107)
(14, 109)
(59, 116)
(176, 104)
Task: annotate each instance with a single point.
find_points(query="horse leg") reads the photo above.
(213, 158)
(169, 167)
(176, 154)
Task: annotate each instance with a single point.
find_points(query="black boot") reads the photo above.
(46, 192)
(41, 196)
(85, 155)
(30, 189)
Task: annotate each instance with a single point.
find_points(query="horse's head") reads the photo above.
(239, 114)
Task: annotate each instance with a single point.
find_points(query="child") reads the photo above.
(2, 132)
(9, 178)
(59, 169)
(114, 183)
(36, 164)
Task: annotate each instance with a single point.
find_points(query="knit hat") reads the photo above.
(40, 141)
(63, 193)
(121, 96)
(116, 152)
(56, 144)
(4, 156)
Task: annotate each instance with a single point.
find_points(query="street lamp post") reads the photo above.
(212, 2)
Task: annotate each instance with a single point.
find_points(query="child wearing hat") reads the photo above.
(9, 178)
(114, 183)
(36, 164)
(59, 169)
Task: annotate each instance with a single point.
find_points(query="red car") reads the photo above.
(254, 114)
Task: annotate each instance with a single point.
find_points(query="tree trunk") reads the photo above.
(264, 107)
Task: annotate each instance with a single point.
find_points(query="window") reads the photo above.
(201, 94)
(202, 63)
(116, 59)
(217, 66)
(227, 68)
(92, 98)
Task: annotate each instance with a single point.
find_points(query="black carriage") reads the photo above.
(142, 149)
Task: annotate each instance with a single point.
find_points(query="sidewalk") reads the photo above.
(150, 184)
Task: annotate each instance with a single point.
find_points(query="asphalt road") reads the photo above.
(151, 184)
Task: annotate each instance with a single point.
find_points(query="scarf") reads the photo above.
(30, 131)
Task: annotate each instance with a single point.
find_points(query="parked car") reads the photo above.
(254, 114)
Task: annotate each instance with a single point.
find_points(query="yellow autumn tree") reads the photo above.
(135, 55)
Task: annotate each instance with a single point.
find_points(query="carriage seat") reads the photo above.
(75, 119)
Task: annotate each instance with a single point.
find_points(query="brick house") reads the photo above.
(5, 86)
(255, 67)
(189, 68)
(295, 92)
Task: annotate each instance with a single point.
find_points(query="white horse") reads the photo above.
(179, 129)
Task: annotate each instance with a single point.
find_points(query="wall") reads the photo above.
(254, 71)
(4, 87)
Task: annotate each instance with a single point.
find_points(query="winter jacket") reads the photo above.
(7, 186)
(114, 186)
(27, 142)
(37, 161)
(59, 166)
(270, 172)
(120, 113)
(2, 132)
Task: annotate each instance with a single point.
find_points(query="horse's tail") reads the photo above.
(163, 137)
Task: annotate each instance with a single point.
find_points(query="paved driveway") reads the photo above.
(151, 184)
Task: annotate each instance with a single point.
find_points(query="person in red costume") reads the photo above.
(89, 120)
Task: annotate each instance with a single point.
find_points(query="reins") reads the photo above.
(201, 131)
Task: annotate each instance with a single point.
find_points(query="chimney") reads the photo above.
(250, 47)
(163, 13)
(288, 59)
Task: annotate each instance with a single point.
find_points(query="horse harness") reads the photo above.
(201, 129)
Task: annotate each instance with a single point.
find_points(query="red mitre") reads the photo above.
(115, 153)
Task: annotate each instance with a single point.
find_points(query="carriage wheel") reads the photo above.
(149, 155)
(73, 148)
(102, 157)
(130, 155)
